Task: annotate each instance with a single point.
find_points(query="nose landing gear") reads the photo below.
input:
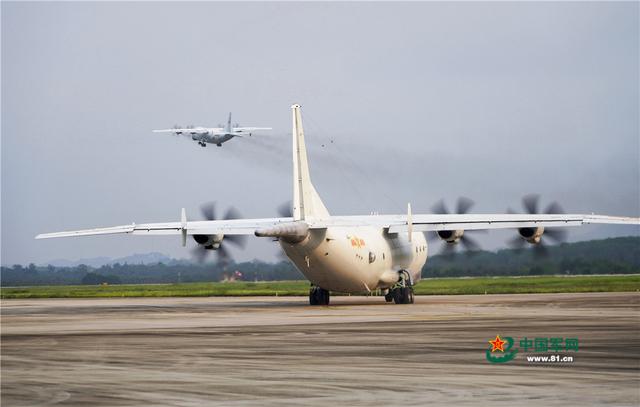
(318, 296)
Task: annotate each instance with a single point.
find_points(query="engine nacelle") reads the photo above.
(531, 235)
(209, 241)
(450, 236)
(290, 232)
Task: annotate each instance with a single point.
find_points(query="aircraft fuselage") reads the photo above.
(218, 138)
(359, 259)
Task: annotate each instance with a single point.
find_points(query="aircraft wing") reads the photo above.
(423, 223)
(393, 223)
(190, 130)
(213, 227)
(249, 129)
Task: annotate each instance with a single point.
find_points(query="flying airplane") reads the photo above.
(353, 254)
(213, 135)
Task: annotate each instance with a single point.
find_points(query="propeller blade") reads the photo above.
(464, 204)
(530, 203)
(224, 257)
(469, 243)
(556, 234)
(232, 213)
(238, 240)
(554, 207)
(440, 208)
(285, 210)
(209, 210)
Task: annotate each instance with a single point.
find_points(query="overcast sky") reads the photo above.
(413, 102)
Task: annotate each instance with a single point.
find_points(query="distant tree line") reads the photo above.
(608, 256)
(159, 273)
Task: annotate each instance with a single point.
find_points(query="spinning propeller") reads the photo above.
(217, 243)
(536, 236)
(450, 238)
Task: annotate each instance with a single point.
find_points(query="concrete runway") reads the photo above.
(279, 351)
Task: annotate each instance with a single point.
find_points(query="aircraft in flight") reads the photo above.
(355, 254)
(213, 135)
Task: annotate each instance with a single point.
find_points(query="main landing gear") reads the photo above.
(202, 144)
(318, 296)
(402, 292)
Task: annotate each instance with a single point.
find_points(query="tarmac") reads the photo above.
(360, 351)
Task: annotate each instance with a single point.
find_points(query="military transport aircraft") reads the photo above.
(353, 254)
(213, 135)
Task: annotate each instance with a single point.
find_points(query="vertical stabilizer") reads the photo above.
(306, 201)
(228, 127)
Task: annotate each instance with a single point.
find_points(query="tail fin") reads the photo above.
(228, 128)
(306, 201)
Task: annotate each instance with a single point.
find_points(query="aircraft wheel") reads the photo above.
(398, 296)
(313, 297)
(324, 296)
(403, 295)
(319, 296)
(409, 296)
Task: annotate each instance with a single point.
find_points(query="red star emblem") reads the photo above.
(497, 344)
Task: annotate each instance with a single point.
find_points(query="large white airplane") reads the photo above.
(352, 254)
(213, 135)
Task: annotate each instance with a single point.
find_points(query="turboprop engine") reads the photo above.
(531, 235)
(534, 235)
(450, 236)
(290, 232)
(215, 242)
(211, 242)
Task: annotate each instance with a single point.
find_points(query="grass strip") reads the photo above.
(435, 286)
